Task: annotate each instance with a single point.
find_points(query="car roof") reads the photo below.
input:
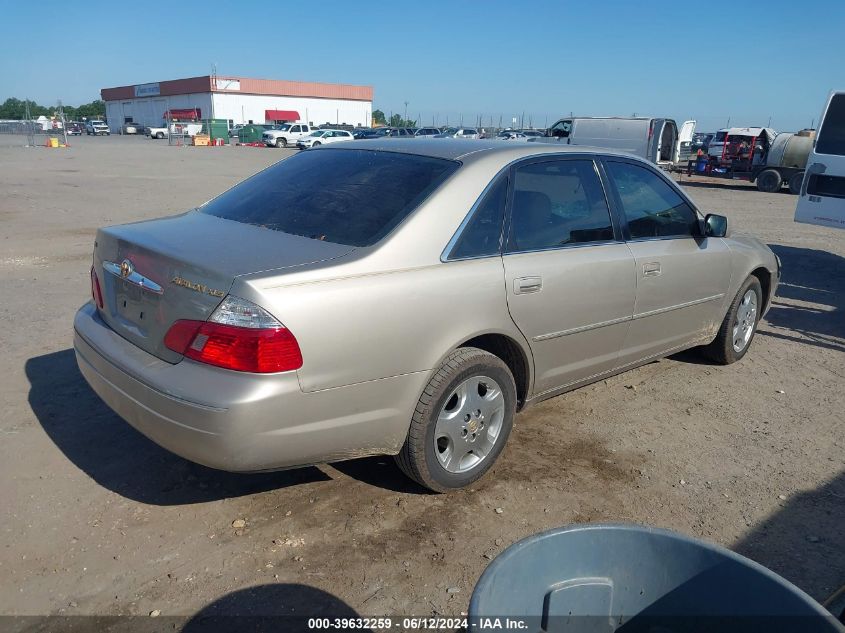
(463, 149)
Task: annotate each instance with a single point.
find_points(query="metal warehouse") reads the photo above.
(240, 100)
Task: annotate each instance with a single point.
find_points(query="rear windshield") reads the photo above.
(831, 138)
(351, 197)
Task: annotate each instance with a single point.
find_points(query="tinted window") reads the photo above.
(557, 203)
(482, 235)
(352, 197)
(651, 206)
(832, 133)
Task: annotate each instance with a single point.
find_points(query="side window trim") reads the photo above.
(504, 173)
(619, 212)
(599, 169)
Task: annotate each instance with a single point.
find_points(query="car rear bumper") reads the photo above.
(238, 421)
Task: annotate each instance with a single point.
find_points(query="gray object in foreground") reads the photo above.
(605, 578)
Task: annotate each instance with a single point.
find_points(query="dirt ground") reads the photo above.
(98, 520)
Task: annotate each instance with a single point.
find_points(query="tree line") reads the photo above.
(15, 109)
(395, 121)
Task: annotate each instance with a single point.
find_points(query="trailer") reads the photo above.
(758, 155)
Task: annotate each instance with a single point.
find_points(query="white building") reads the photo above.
(240, 100)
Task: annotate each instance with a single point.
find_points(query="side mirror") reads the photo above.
(715, 225)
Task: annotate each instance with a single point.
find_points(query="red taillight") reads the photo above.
(96, 293)
(260, 351)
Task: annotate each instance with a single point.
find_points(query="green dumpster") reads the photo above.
(216, 128)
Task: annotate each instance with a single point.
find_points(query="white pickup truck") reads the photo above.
(286, 134)
(189, 129)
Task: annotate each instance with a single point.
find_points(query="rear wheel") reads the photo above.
(795, 183)
(769, 181)
(739, 325)
(461, 422)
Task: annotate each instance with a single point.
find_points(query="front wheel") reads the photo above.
(159, 135)
(461, 422)
(739, 325)
(281, 142)
(315, 144)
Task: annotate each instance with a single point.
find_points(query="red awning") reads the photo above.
(185, 114)
(281, 115)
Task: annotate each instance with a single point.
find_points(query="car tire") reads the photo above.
(315, 143)
(739, 325)
(795, 183)
(283, 141)
(159, 135)
(450, 444)
(769, 181)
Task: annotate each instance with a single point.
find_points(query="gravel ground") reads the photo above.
(99, 520)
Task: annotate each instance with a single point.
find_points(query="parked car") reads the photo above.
(511, 135)
(74, 128)
(655, 139)
(285, 134)
(323, 137)
(97, 127)
(133, 128)
(394, 132)
(459, 132)
(176, 128)
(701, 141)
(233, 131)
(427, 131)
(532, 133)
(321, 335)
(363, 132)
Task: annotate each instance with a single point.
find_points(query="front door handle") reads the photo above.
(524, 285)
(651, 269)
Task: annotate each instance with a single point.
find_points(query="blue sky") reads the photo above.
(747, 60)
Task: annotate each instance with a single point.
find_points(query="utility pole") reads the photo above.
(62, 119)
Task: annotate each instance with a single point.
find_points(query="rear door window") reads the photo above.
(352, 197)
(558, 203)
(831, 138)
(651, 207)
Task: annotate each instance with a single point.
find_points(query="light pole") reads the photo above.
(405, 119)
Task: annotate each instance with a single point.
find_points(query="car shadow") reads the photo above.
(118, 457)
(803, 541)
(276, 607)
(381, 472)
(809, 276)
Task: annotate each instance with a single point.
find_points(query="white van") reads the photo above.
(822, 199)
(653, 139)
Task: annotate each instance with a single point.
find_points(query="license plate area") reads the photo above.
(134, 304)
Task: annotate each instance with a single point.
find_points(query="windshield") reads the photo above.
(317, 133)
(351, 197)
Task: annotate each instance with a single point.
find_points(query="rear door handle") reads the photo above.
(651, 269)
(524, 285)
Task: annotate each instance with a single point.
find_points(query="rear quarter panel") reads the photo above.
(366, 327)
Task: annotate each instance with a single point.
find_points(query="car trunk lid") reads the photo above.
(154, 273)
